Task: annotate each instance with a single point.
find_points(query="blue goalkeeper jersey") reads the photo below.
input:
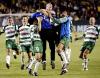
(45, 20)
(65, 27)
(35, 15)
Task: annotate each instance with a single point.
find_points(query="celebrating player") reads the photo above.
(37, 45)
(90, 36)
(25, 41)
(64, 38)
(10, 32)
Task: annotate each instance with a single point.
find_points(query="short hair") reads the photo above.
(9, 17)
(24, 16)
(92, 17)
(48, 4)
(64, 8)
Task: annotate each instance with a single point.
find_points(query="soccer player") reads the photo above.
(64, 37)
(37, 46)
(10, 32)
(25, 41)
(90, 36)
(46, 35)
(68, 49)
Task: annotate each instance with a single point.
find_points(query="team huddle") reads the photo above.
(28, 38)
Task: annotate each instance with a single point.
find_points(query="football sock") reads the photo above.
(31, 63)
(36, 66)
(68, 53)
(85, 62)
(8, 59)
(63, 57)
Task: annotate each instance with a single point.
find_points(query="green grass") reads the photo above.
(75, 68)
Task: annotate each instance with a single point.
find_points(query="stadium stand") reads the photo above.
(80, 10)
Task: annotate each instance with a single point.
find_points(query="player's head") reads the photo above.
(64, 11)
(25, 20)
(92, 21)
(10, 21)
(49, 7)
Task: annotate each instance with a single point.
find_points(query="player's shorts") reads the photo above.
(88, 45)
(26, 48)
(65, 41)
(10, 44)
(37, 47)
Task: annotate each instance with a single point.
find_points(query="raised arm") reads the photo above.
(60, 20)
(39, 22)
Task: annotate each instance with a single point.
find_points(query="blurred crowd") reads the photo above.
(79, 9)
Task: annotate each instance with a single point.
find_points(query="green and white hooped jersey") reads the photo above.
(34, 33)
(24, 35)
(91, 34)
(10, 31)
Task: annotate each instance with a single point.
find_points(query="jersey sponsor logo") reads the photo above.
(24, 33)
(9, 32)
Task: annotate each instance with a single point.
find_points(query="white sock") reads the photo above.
(8, 59)
(36, 66)
(14, 53)
(31, 63)
(85, 62)
(68, 54)
(63, 57)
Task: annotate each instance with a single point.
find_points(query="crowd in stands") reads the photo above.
(79, 9)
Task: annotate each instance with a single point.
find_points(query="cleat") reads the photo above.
(15, 57)
(34, 74)
(44, 65)
(7, 65)
(22, 67)
(52, 65)
(30, 71)
(63, 72)
(85, 69)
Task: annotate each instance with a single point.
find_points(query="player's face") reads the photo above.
(10, 21)
(49, 7)
(64, 13)
(25, 20)
(92, 21)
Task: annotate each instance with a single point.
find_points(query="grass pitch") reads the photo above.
(75, 67)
